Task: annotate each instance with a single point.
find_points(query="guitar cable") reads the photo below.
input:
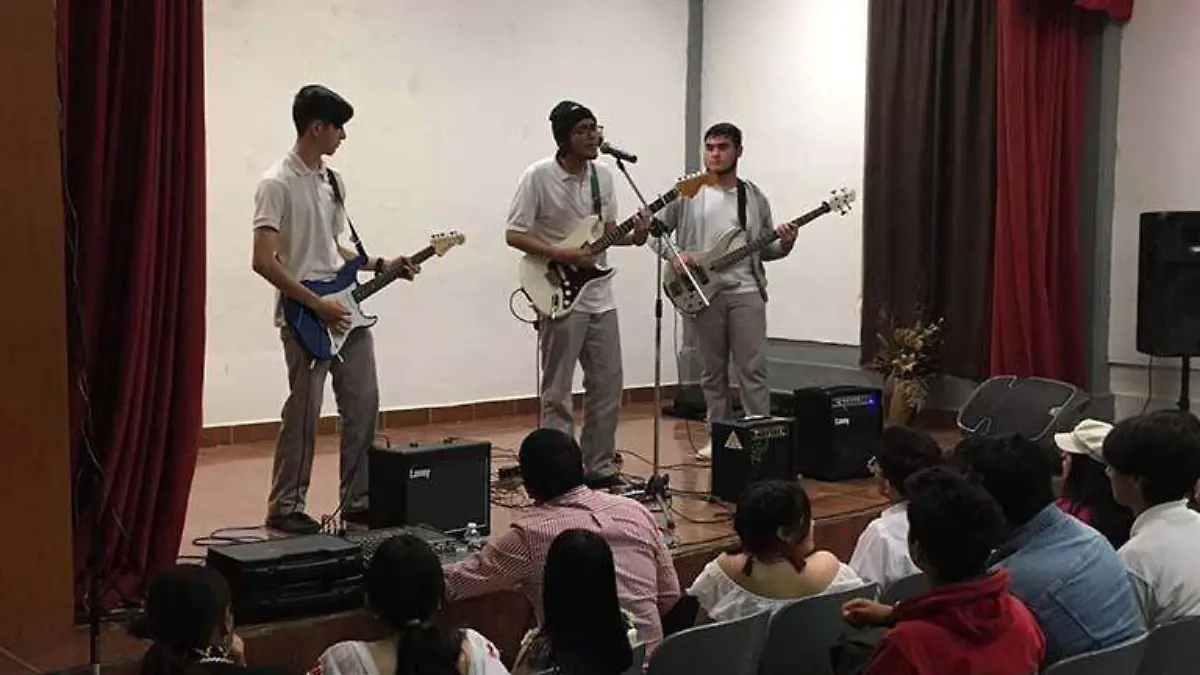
(537, 343)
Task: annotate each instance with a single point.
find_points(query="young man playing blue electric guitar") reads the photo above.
(299, 213)
(553, 197)
(735, 323)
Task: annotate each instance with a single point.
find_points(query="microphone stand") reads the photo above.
(657, 487)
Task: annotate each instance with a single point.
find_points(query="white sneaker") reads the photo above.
(705, 452)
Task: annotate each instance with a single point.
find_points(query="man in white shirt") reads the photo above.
(881, 555)
(1153, 464)
(735, 323)
(553, 196)
(299, 213)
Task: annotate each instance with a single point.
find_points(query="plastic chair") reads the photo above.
(725, 648)
(1122, 659)
(907, 588)
(803, 632)
(1170, 648)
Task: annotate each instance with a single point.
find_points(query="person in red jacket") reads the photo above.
(968, 622)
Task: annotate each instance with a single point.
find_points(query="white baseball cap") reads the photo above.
(1087, 438)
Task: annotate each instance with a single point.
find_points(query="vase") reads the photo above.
(900, 410)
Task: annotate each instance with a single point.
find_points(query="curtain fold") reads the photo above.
(132, 89)
(929, 175)
(1044, 52)
(1117, 10)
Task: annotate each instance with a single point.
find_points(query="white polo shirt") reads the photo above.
(550, 203)
(298, 202)
(1163, 557)
(881, 555)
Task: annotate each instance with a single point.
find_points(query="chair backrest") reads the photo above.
(907, 588)
(1169, 648)
(725, 648)
(803, 632)
(1121, 659)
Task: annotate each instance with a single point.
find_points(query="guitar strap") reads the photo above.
(741, 205)
(595, 190)
(337, 197)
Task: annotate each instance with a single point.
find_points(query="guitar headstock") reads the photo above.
(841, 200)
(688, 186)
(444, 241)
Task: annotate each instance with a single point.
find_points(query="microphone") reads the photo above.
(611, 150)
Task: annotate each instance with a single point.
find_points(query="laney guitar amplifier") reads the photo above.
(749, 450)
(837, 431)
(444, 485)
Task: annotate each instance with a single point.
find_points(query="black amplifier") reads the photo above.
(290, 577)
(749, 450)
(444, 485)
(837, 430)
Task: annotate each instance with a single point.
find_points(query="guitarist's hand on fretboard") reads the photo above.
(409, 269)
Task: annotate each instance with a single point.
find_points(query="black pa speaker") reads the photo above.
(1034, 407)
(1168, 299)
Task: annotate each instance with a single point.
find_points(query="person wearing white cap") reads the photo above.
(1086, 493)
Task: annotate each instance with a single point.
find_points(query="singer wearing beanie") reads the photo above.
(554, 196)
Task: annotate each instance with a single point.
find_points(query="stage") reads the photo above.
(229, 491)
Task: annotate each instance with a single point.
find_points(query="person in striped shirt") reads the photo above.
(551, 465)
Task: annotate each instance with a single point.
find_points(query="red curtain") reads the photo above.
(1118, 10)
(1044, 54)
(132, 88)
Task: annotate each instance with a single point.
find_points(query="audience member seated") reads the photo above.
(775, 562)
(968, 622)
(404, 585)
(881, 555)
(1154, 462)
(585, 631)
(189, 620)
(552, 469)
(1065, 571)
(1086, 493)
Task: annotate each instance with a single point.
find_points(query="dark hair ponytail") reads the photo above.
(405, 588)
(424, 649)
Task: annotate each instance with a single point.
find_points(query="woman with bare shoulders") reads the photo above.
(775, 562)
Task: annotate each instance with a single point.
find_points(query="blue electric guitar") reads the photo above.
(323, 342)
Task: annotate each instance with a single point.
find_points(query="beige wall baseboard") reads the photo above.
(257, 432)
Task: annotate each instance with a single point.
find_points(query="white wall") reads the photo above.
(451, 99)
(792, 75)
(1157, 169)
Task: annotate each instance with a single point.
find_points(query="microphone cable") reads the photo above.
(537, 343)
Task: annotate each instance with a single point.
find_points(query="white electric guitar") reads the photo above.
(554, 287)
(711, 268)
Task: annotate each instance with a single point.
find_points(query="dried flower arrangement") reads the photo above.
(907, 357)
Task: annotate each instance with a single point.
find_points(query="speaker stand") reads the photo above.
(1185, 384)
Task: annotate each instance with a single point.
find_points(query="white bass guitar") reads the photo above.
(711, 268)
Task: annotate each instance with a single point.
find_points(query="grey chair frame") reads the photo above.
(803, 632)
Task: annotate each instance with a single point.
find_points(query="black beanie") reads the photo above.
(564, 117)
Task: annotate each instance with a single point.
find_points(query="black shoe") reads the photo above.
(357, 517)
(604, 482)
(294, 523)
